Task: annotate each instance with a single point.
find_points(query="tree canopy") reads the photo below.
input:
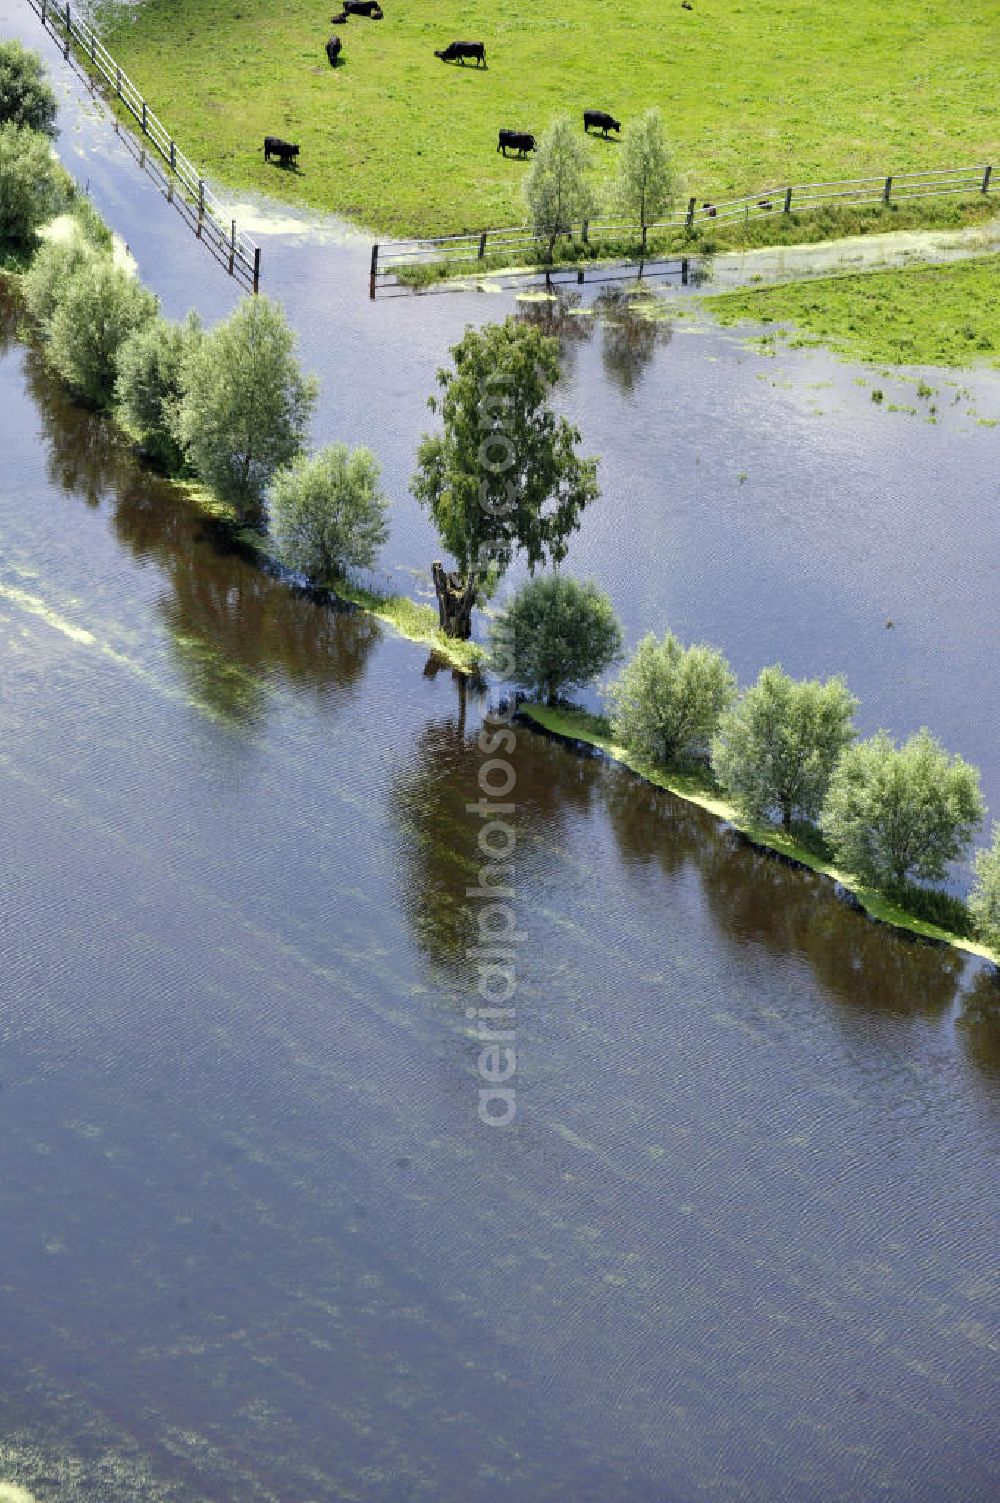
(95, 312)
(647, 182)
(984, 903)
(31, 186)
(897, 813)
(557, 190)
(666, 703)
(328, 512)
(26, 98)
(246, 405)
(776, 750)
(503, 473)
(557, 633)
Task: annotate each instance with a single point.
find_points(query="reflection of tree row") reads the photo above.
(979, 1024)
(8, 316)
(756, 901)
(231, 624)
(629, 336)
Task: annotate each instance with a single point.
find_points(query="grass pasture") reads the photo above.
(755, 94)
(922, 315)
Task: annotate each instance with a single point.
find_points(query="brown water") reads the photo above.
(740, 1241)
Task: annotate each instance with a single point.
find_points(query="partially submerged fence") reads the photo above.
(208, 217)
(391, 258)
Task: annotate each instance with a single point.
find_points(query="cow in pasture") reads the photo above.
(333, 47)
(518, 140)
(340, 19)
(600, 120)
(286, 153)
(457, 52)
(370, 8)
(710, 210)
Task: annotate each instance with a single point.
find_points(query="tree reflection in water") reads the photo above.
(233, 627)
(979, 1022)
(632, 330)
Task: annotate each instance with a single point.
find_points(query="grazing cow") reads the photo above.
(710, 210)
(518, 140)
(333, 47)
(370, 8)
(600, 120)
(274, 146)
(457, 52)
(340, 19)
(686, 5)
(765, 204)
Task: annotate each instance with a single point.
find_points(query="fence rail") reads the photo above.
(390, 258)
(232, 246)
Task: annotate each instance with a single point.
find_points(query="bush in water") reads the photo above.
(25, 97)
(148, 386)
(32, 189)
(96, 311)
(667, 702)
(557, 633)
(893, 814)
(329, 513)
(984, 903)
(776, 750)
(246, 405)
(50, 273)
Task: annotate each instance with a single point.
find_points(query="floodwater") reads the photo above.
(740, 1241)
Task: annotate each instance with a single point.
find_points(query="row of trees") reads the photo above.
(784, 750)
(559, 192)
(32, 186)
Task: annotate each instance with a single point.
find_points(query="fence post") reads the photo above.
(482, 245)
(173, 157)
(93, 49)
(256, 268)
(690, 213)
(374, 260)
(144, 115)
(788, 201)
(684, 272)
(987, 174)
(232, 246)
(118, 80)
(69, 28)
(201, 197)
(887, 190)
(45, 6)
(585, 231)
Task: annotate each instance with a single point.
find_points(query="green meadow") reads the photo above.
(923, 315)
(754, 94)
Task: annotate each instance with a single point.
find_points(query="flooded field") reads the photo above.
(740, 1241)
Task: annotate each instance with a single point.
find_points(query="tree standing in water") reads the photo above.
(503, 473)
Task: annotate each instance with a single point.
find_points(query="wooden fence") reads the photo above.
(388, 259)
(237, 252)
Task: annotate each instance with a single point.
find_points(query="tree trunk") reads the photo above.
(455, 601)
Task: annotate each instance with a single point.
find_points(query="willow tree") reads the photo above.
(647, 182)
(503, 474)
(556, 190)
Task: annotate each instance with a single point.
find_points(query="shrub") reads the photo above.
(329, 513)
(31, 185)
(667, 702)
(893, 814)
(246, 405)
(95, 312)
(25, 97)
(557, 633)
(50, 273)
(984, 904)
(556, 190)
(776, 750)
(148, 385)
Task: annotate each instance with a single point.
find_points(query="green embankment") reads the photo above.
(754, 94)
(923, 315)
(576, 725)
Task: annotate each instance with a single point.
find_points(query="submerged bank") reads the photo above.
(577, 727)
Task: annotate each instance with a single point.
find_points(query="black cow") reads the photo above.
(274, 146)
(518, 140)
(457, 52)
(600, 120)
(333, 47)
(370, 8)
